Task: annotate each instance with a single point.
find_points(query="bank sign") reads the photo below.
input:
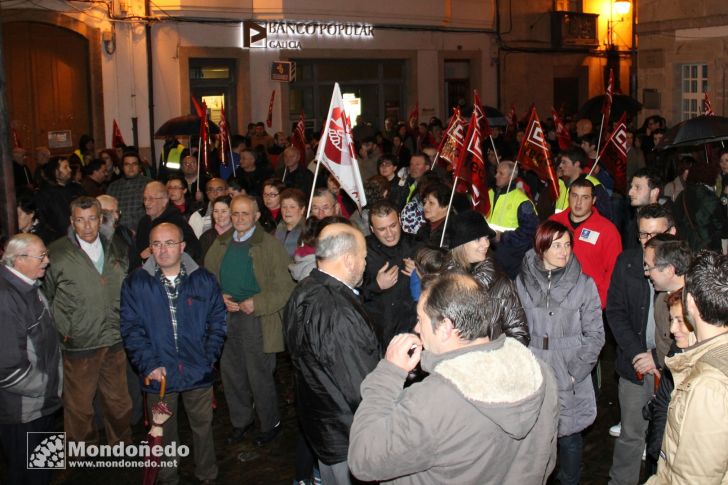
(285, 34)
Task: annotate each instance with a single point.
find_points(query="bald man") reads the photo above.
(333, 346)
(159, 210)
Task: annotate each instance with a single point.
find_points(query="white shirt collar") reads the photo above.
(21, 275)
(92, 249)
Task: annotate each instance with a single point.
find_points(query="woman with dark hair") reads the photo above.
(270, 210)
(222, 222)
(29, 220)
(435, 201)
(113, 165)
(564, 316)
(469, 236)
(292, 211)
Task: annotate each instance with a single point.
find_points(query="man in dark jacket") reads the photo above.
(487, 413)
(30, 359)
(333, 346)
(390, 253)
(173, 325)
(159, 210)
(631, 317)
(55, 195)
(82, 286)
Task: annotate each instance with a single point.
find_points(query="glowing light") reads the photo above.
(621, 7)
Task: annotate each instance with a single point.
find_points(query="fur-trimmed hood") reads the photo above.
(510, 384)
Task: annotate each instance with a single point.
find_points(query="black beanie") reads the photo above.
(467, 226)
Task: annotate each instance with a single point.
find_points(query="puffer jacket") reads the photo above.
(85, 303)
(694, 448)
(146, 326)
(333, 347)
(565, 320)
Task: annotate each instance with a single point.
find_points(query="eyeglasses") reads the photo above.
(166, 244)
(649, 235)
(41, 257)
(270, 195)
(649, 269)
(175, 187)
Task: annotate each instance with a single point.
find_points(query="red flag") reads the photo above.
(614, 155)
(299, 138)
(224, 138)
(336, 150)
(562, 134)
(452, 143)
(269, 119)
(16, 138)
(199, 110)
(204, 137)
(117, 139)
(535, 155)
(707, 107)
(471, 166)
(607, 107)
(414, 114)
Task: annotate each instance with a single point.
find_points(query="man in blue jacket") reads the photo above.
(173, 325)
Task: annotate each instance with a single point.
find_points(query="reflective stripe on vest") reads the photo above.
(503, 214)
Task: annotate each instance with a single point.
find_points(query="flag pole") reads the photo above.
(199, 143)
(513, 172)
(434, 160)
(449, 208)
(601, 130)
(232, 160)
(285, 172)
(313, 188)
(492, 143)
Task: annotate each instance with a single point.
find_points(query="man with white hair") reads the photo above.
(333, 346)
(30, 358)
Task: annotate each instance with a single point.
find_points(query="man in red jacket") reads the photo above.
(596, 240)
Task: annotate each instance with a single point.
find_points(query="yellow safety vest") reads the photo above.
(503, 215)
(174, 157)
(80, 156)
(562, 203)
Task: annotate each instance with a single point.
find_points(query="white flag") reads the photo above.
(336, 150)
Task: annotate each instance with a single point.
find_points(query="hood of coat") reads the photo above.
(536, 278)
(150, 266)
(502, 379)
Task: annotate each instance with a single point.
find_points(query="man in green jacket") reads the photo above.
(83, 287)
(252, 267)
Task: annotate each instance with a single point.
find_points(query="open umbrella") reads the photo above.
(700, 130)
(495, 117)
(621, 103)
(187, 125)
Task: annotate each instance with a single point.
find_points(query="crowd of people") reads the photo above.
(429, 343)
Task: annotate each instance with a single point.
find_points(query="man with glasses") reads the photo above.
(83, 286)
(631, 317)
(159, 210)
(30, 358)
(129, 189)
(173, 324)
(323, 204)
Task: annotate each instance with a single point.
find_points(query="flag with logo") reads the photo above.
(707, 107)
(485, 129)
(336, 150)
(613, 155)
(117, 139)
(534, 154)
(269, 119)
(607, 106)
(471, 164)
(299, 138)
(562, 134)
(452, 143)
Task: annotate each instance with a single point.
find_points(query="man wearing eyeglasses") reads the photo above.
(159, 210)
(30, 358)
(173, 324)
(83, 287)
(631, 317)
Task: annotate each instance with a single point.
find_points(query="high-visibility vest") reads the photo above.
(562, 203)
(80, 156)
(503, 215)
(174, 157)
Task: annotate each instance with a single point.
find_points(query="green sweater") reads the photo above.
(237, 278)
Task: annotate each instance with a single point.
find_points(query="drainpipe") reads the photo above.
(7, 184)
(150, 82)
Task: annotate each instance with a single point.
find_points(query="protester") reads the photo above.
(435, 204)
(270, 211)
(179, 195)
(469, 237)
(173, 324)
(645, 188)
(29, 219)
(129, 190)
(699, 214)
(333, 346)
(460, 422)
(83, 286)
(693, 448)
(55, 195)
(294, 172)
(323, 204)
(222, 223)
(30, 359)
(292, 211)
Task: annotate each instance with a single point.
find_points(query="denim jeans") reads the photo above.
(570, 448)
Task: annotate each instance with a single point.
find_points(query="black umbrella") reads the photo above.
(700, 130)
(495, 117)
(621, 103)
(188, 125)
